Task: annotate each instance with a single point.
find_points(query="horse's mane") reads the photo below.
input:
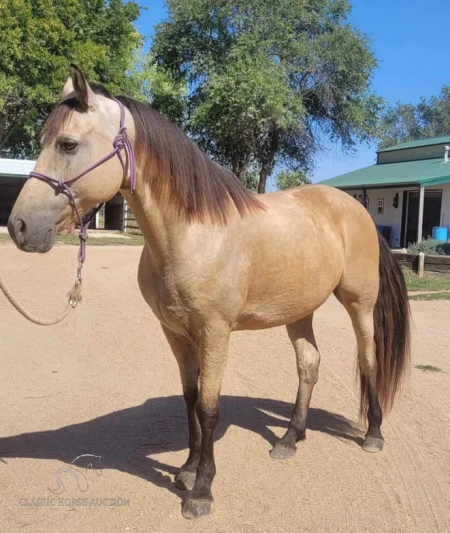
(177, 170)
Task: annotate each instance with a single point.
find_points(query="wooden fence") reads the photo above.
(434, 264)
(129, 221)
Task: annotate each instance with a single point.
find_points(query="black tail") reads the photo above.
(392, 331)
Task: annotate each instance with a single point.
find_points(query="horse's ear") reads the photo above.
(78, 84)
(68, 88)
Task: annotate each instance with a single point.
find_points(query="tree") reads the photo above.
(268, 80)
(160, 88)
(407, 122)
(39, 40)
(291, 178)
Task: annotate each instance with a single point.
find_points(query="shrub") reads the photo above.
(444, 248)
(430, 247)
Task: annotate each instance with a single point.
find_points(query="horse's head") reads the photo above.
(79, 133)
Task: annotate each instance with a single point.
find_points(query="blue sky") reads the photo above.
(410, 41)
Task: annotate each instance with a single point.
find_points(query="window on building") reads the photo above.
(380, 207)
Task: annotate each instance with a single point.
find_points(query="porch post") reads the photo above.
(365, 198)
(420, 221)
(124, 223)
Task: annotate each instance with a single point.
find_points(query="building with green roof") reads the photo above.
(407, 191)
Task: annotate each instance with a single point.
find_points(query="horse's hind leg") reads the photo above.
(361, 314)
(187, 359)
(308, 359)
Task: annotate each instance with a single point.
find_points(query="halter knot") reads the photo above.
(122, 142)
(119, 139)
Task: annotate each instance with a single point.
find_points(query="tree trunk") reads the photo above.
(268, 159)
(263, 175)
(239, 169)
(235, 167)
(2, 128)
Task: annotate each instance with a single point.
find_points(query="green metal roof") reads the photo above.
(425, 172)
(420, 142)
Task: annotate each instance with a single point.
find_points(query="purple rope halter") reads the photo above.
(121, 142)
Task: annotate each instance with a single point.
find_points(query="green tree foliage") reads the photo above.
(291, 178)
(39, 40)
(407, 122)
(161, 88)
(268, 80)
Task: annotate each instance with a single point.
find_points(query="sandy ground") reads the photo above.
(105, 383)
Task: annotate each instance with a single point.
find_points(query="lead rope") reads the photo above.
(121, 142)
(73, 294)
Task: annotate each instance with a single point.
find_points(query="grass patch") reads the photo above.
(130, 240)
(428, 368)
(427, 283)
(5, 238)
(431, 296)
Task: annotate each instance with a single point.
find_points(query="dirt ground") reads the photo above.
(105, 383)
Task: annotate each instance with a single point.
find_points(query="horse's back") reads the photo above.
(328, 213)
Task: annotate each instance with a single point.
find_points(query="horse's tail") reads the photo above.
(392, 331)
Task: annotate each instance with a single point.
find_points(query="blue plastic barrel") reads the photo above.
(440, 233)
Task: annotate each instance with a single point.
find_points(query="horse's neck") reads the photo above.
(162, 228)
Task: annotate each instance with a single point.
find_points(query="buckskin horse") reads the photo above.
(218, 258)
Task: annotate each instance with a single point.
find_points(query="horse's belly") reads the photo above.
(272, 315)
(281, 298)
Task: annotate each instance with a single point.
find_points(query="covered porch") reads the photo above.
(409, 201)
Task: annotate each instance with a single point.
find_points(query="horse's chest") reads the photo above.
(166, 296)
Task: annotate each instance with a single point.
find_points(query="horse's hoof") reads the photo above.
(185, 480)
(196, 508)
(282, 452)
(373, 445)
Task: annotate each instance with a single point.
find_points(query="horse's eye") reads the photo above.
(68, 146)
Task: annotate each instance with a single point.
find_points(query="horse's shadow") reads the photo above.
(128, 440)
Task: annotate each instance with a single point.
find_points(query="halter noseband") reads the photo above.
(121, 142)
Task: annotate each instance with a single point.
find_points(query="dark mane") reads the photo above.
(178, 170)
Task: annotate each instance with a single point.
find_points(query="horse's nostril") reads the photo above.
(20, 227)
(19, 231)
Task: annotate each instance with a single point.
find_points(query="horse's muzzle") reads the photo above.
(32, 234)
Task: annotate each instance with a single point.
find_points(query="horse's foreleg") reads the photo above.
(308, 358)
(214, 343)
(186, 355)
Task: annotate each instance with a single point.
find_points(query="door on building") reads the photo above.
(431, 215)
